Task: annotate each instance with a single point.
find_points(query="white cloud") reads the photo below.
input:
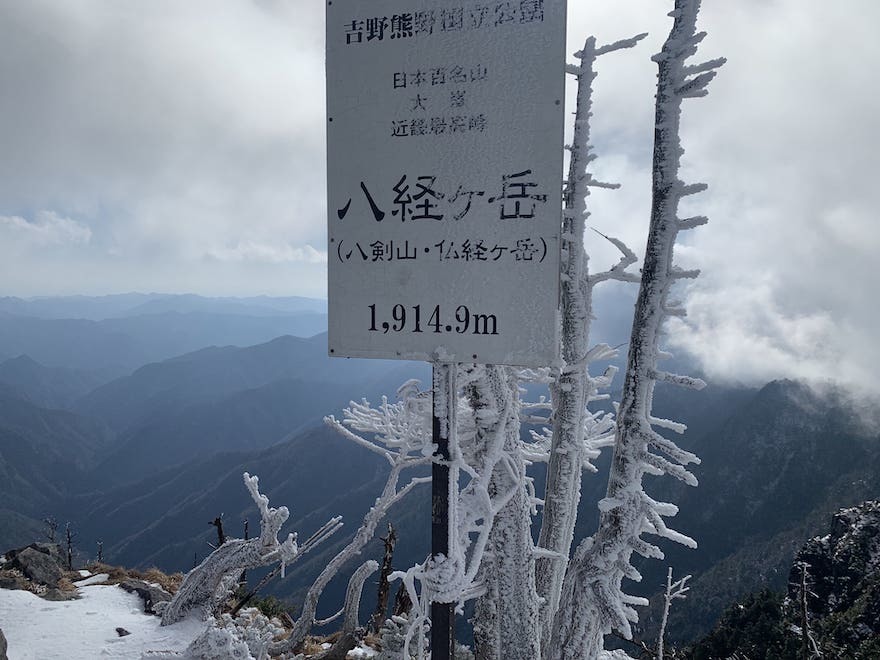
(787, 140)
(169, 126)
(47, 228)
(745, 335)
(264, 252)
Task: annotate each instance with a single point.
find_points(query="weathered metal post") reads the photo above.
(442, 614)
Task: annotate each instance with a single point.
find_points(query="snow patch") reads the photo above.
(85, 629)
(99, 578)
(361, 652)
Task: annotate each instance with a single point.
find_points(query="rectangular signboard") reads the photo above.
(444, 166)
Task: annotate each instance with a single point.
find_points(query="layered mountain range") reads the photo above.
(134, 417)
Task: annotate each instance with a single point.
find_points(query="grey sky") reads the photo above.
(178, 146)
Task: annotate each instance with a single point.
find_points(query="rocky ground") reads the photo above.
(831, 608)
(40, 568)
(834, 585)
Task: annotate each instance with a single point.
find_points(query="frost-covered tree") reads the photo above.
(246, 635)
(593, 602)
(208, 585)
(400, 433)
(490, 549)
(513, 592)
(507, 570)
(577, 434)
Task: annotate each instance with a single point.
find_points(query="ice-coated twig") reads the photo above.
(330, 619)
(617, 271)
(322, 534)
(593, 602)
(674, 590)
(618, 45)
(576, 435)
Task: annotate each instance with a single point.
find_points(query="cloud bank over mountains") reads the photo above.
(180, 146)
(787, 140)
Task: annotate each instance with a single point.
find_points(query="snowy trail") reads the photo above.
(85, 629)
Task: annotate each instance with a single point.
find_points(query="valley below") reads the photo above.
(133, 418)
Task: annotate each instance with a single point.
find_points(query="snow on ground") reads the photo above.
(92, 579)
(360, 652)
(85, 629)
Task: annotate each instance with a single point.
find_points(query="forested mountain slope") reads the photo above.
(146, 460)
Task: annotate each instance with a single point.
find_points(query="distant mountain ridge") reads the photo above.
(126, 343)
(123, 332)
(44, 454)
(212, 373)
(250, 419)
(202, 402)
(317, 475)
(98, 308)
(50, 387)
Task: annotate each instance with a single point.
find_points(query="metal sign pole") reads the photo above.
(442, 614)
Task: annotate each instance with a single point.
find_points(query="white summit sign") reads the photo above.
(444, 167)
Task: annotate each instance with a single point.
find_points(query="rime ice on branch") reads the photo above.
(505, 612)
(209, 584)
(400, 433)
(592, 600)
(577, 435)
(492, 505)
(674, 591)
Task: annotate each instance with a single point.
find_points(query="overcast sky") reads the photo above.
(168, 145)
